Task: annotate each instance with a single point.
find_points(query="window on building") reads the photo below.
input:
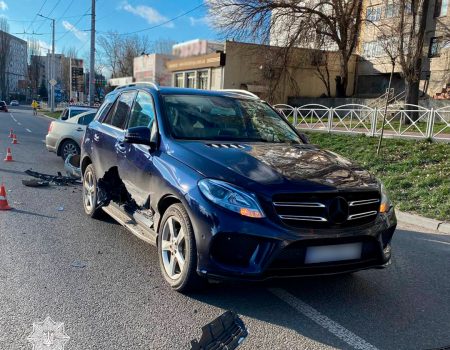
(203, 78)
(179, 80)
(372, 49)
(440, 8)
(435, 47)
(373, 13)
(190, 80)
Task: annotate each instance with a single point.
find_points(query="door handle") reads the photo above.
(80, 129)
(120, 146)
(96, 137)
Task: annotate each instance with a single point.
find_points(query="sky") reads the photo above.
(123, 16)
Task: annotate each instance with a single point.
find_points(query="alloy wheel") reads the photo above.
(173, 247)
(89, 191)
(69, 149)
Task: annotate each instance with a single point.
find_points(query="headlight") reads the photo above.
(385, 204)
(231, 197)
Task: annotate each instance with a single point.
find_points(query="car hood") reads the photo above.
(282, 165)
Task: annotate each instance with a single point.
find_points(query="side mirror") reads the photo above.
(141, 135)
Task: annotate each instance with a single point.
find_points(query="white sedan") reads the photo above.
(64, 136)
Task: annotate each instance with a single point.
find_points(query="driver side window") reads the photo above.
(143, 112)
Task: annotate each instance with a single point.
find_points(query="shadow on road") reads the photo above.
(26, 212)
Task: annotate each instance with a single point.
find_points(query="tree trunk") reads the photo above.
(412, 98)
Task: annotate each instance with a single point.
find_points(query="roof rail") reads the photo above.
(241, 92)
(143, 83)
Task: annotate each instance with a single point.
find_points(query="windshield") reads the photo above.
(195, 117)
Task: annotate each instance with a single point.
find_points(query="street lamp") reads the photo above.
(52, 80)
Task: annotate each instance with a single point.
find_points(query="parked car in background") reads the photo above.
(227, 188)
(14, 103)
(64, 136)
(73, 111)
(3, 106)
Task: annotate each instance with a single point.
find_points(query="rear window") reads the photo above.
(75, 112)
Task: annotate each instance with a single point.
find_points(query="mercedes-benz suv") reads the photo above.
(226, 188)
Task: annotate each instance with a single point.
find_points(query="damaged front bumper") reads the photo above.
(72, 166)
(234, 247)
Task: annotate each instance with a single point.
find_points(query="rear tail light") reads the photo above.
(50, 127)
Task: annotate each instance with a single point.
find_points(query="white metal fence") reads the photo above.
(410, 121)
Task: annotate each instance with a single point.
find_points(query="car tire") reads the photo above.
(69, 147)
(182, 278)
(90, 192)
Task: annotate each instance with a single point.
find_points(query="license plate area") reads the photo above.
(335, 252)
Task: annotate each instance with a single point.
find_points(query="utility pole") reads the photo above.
(92, 58)
(52, 65)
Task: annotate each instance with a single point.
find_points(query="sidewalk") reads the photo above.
(431, 224)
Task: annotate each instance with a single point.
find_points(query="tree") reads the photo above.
(43, 93)
(117, 52)
(5, 43)
(35, 67)
(295, 23)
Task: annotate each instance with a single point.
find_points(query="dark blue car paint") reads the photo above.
(174, 169)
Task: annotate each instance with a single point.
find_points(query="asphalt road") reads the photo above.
(105, 284)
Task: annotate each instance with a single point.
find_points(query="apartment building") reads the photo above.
(16, 67)
(374, 62)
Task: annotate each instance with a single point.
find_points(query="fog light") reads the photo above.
(384, 207)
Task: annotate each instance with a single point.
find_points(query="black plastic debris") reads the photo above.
(226, 332)
(58, 180)
(35, 183)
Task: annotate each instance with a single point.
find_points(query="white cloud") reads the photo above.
(3, 6)
(200, 21)
(151, 15)
(44, 46)
(78, 33)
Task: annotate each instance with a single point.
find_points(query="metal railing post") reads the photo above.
(373, 128)
(295, 116)
(330, 119)
(430, 123)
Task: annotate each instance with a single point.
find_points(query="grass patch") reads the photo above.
(415, 173)
(54, 115)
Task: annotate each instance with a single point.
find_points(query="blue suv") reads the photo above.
(226, 188)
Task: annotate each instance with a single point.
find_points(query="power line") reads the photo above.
(32, 22)
(48, 15)
(165, 22)
(75, 24)
(65, 11)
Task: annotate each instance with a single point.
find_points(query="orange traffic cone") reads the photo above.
(11, 133)
(14, 140)
(3, 202)
(8, 157)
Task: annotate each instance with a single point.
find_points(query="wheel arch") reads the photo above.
(61, 143)
(84, 163)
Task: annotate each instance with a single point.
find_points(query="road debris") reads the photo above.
(225, 332)
(72, 166)
(35, 183)
(58, 180)
(79, 264)
(61, 208)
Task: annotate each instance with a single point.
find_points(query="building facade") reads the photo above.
(260, 69)
(376, 49)
(16, 70)
(152, 68)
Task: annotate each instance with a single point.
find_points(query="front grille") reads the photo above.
(322, 210)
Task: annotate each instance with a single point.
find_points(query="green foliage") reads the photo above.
(415, 173)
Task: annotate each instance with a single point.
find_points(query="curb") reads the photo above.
(431, 224)
(45, 116)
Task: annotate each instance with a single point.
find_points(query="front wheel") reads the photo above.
(177, 250)
(90, 192)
